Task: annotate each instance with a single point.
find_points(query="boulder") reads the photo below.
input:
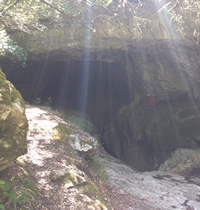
(72, 176)
(83, 143)
(13, 123)
(182, 161)
(86, 145)
(145, 136)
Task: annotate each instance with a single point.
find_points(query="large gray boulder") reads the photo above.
(146, 136)
(13, 123)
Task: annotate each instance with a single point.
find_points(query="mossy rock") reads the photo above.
(13, 123)
(61, 131)
(144, 137)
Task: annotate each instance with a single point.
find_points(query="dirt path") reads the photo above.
(46, 154)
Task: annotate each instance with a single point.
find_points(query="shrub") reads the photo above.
(16, 196)
(82, 123)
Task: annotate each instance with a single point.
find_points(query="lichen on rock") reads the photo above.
(13, 123)
(61, 131)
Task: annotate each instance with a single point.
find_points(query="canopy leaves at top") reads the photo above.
(157, 19)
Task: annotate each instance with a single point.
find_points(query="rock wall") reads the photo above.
(118, 81)
(164, 114)
(13, 123)
(145, 136)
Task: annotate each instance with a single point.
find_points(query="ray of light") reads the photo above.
(85, 68)
(39, 80)
(179, 58)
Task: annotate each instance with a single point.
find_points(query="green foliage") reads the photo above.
(38, 102)
(63, 131)
(138, 19)
(125, 17)
(93, 190)
(97, 167)
(17, 196)
(2, 207)
(82, 123)
(48, 102)
(99, 174)
(98, 138)
(103, 3)
(8, 47)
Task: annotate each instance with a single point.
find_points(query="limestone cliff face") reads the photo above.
(13, 123)
(111, 28)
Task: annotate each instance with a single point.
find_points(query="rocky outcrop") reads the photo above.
(82, 142)
(85, 145)
(145, 136)
(13, 123)
(183, 161)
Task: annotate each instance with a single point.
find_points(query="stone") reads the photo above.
(13, 123)
(145, 136)
(82, 142)
(182, 161)
(86, 145)
(71, 176)
(86, 203)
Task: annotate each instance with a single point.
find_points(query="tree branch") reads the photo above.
(65, 14)
(13, 4)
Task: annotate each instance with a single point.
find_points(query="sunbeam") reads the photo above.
(179, 56)
(85, 68)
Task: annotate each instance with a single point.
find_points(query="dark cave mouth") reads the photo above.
(103, 89)
(95, 94)
(99, 90)
(89, 97)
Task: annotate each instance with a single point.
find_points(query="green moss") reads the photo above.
(21, 193)
(62, 131)
(97, 167)
(8, 129)
(92, 190)
(8, 91)
(71, 176)
(83, 124)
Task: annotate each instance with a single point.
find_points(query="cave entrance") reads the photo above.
(110, 89)
(98, 90)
